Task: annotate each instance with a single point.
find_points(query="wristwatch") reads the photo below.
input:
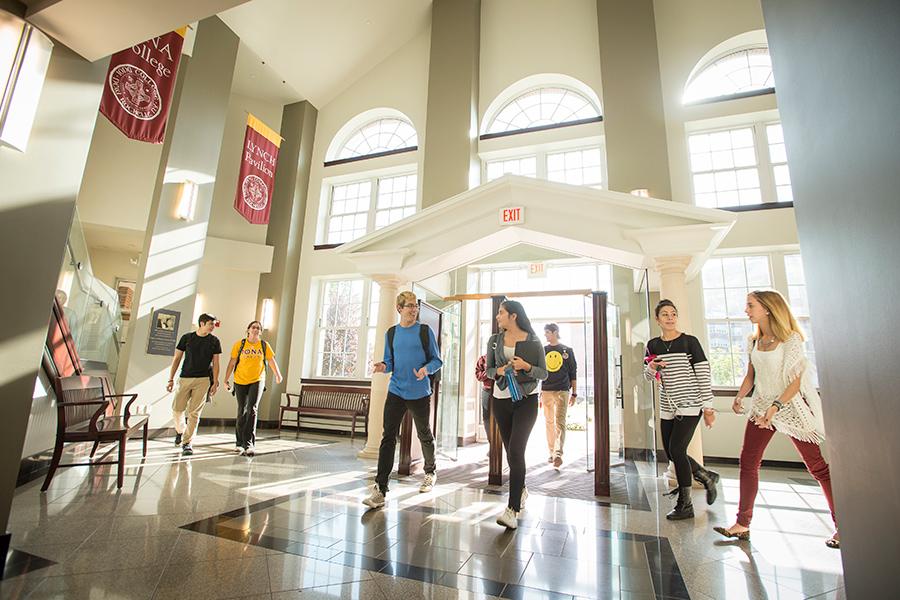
(778, 404)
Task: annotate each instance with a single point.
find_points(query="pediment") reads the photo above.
(612, 227)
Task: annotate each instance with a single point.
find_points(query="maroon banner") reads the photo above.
(139, 86)
(257, 176)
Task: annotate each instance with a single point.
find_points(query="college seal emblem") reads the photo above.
(255, 192)
(135, 91)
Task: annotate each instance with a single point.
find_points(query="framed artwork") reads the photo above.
(163, 332)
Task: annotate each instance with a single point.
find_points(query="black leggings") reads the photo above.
(515, 421)
(676, 435)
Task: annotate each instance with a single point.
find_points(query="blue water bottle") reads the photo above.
(514, 391)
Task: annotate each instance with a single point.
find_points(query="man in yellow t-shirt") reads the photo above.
(249, 359)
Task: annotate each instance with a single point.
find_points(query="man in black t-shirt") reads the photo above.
(558, 391)
(199, 378)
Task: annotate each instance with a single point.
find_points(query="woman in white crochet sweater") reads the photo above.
(784, 399)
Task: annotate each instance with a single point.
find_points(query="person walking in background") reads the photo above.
(558, 392)
(487, 384)
(515, 410)
(410, 355)
(784, 399)
(250, 358)
(678, 362)
(199, 378)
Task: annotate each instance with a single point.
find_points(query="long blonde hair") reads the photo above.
(781, 319)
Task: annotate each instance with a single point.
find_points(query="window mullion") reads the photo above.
(373, 205)
(766, 175)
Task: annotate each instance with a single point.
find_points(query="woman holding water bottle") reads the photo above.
(515, 397)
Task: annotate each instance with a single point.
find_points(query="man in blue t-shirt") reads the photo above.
(410, 356)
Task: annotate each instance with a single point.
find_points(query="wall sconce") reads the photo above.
(24, 56)
(642, 192)
(268, 313)
(187, 201)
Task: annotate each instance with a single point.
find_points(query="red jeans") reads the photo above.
(755, 442)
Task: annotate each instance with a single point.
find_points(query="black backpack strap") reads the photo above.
(240, 351)
(426, 343)
(392, 330)
(265, 362)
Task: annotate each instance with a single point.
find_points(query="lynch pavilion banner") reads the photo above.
(257, 176)
(139, 86)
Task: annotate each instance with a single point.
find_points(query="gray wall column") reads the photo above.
(173, 249)
(838, 84)
(285, 233)
(37, 203)
(634, 119)
(451, 140)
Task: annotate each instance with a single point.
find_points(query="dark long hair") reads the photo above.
(516, 308)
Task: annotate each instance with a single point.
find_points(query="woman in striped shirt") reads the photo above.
(677, 361)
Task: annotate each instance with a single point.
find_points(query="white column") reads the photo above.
(387, 316)
(672, 285)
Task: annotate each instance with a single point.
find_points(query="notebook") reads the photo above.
(530, 351)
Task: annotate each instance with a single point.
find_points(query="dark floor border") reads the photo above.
(734, 462)
(663, 566)
(36, 466)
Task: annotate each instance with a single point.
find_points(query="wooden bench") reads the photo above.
(86, 412)
(328, 401)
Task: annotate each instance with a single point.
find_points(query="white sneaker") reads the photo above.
(238, 449)
(250, 451)
(508, 519)
(428, 483)
(375, 499)
(523, 499)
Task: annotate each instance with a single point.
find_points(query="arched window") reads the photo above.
(540, 107)
(737, 73)
(381, 135)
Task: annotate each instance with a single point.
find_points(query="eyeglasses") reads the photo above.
(410, 306)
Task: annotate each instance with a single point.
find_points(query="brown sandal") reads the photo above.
(833, 542)
(743, 536)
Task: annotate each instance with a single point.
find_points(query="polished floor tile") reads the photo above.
(289, 523)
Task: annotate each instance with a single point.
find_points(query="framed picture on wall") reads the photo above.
(125, 290)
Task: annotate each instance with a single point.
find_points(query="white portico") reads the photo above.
(669, 239)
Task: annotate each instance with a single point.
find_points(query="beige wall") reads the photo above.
(109, 265)
(117, 188)
(520, 38)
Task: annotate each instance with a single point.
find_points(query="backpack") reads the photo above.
(423, 337)
(241, 351)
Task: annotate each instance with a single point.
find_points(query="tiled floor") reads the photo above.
(289, 524)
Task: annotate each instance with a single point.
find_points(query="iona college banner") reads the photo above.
(257, 176)
(139, 86)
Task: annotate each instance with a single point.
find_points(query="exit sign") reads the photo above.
(512, 216)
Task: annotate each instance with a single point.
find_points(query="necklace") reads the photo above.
(668, 344)
(767, 343)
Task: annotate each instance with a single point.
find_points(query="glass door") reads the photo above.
(447, 437)
(614, 369)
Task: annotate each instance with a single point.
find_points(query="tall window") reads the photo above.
(737, 73)
(778, 159)
(540, 107)
(345, 330)
(726, 283)
(576, 167)
(796, 282)
(525, 166)
(352, 213)
(723, 164)
(580, 166)
(381, 135)
(743, 166)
